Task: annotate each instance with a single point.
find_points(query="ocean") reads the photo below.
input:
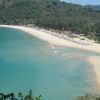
(57, 73)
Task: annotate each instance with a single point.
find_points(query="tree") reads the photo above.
(20, 95)
(31, 97)
(39, 97)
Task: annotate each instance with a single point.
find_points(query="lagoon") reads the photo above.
(57, 73)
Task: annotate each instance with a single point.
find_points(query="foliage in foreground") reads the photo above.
(21, 96)
(89, 97)
(29, 96)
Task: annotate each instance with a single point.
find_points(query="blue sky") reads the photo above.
(84, 2)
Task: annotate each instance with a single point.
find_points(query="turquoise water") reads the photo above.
(57, 73)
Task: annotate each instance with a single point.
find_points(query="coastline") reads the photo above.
(55, 40)
(95, 61)
(43, 35)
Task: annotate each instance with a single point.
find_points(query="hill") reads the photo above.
(50, 14)
(94, 7)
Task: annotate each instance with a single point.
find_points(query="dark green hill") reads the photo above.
(50, 14)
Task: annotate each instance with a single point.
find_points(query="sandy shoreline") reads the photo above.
(95, 61)
(53, 39)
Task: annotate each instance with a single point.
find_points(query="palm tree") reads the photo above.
(39, 97)
(26, 97)
(31, 97)
(20, 95)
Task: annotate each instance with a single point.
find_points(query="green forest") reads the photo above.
(52, 14)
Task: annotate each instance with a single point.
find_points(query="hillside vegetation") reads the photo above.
(50, 14)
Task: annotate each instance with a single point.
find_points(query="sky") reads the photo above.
(84, 2)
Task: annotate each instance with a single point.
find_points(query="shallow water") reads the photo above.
(57, 73)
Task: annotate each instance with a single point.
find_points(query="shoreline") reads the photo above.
(55, 40)
(95, 62)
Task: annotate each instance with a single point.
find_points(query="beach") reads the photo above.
(95, 61)
(55, 40)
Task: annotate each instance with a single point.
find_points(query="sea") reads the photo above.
(55, 72)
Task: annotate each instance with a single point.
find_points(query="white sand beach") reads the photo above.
(52, 39)
(95, 61)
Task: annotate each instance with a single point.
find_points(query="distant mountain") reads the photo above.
(94, 7)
